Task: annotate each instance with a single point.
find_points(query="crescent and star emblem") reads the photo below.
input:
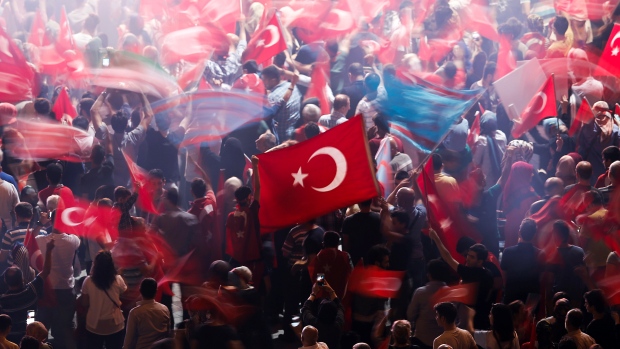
(615, 50)
(275, 36)
(341, 169)
(543, 97)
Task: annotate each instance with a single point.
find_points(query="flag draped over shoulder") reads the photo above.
(426, 111)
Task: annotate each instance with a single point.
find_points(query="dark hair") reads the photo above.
(81, 122)
(162, 120)
(402, 174)
(594, 197)
(310, 246)
(156, 173)
(372, 82)
(172, 195)
(271, 72)
(54, 173)
(121, 192)
(596, 299)
(250, 66)
(481, 251)
(560, 24)
(382, 123)
(584, 170)
(502, 326)
(449, 69)
(331, 239)
(103, 272)
(340, 101)
(447, 311)
(512, 27)
(279, 59)
(527, 229)
(148, 288)
(376, 254)
(327, 312)
(242, 193)
(463, 244)
(24, 210)
(14, 277)
(91, 22)
(366, 203)
(356, 69)
(42, 106)
(562, 230)
(29, 342)
(311, 130)
(574, 318)
(116, 100)
(489, 69)
(119, 122)
(5, 322)
(401, 216)
(437, 161)
(611, 153)
(437, 269)
(199, 187)
(567, 343)
(97, 154)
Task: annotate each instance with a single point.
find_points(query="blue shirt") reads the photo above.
(286, 117)
(7, 177)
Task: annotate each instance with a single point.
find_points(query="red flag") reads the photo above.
(64, 41)
(611, 289)
(584, 116)
(266, 43)
(384, 169)
(16, 77)
(474, 17)
(541, 106)
(191, 44)
(53, 141)
(474, 132)
(327, 172)
(36, 258)
(63, 105)
(145, 194)
(506, 61)
(318, 86)
(38, 36)
(462, 293)
(372, 281)
(609, 58)
(191, 76)
(617, 109)
(224, 13)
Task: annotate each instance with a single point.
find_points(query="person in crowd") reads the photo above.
(574, 321)
(602, 326)
(502, 333)
(23, 216)
(310, 338)
(335, 265)
(596, 136)
(368, 106)
(361, 231)
(324, 311)
(592, 223)
(560, 47)
(456, 338)
(36, 330)
(614, 179)
(5, 328)
(342, 105)
(288, 114)
(8, 199)
(518, 196)
(554, 186)
(356, 90)
(100, 173)
(149, 321)
(489, 148)
(610, 155)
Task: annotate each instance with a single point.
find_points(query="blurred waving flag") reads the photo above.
(52, 141)
(584, 116)
(17, 80)
(384, 170)
(426, 111)
(266, 43)
(541, 106)
(63, 105)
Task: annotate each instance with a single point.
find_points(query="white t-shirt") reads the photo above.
(8, 199)
(457, 339)
(61, 275)
(104, 314)
(486, 340)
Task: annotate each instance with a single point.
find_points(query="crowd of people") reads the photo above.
(95, 246)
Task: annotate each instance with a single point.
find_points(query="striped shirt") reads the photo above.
(17, 303)
(293, 245)
(12, 236)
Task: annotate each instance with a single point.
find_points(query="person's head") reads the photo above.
(157, 180)
(311, 113)
(162, 120)
(501, 322)
(519, 312)
(476, 255)
(400, 176)
(405, 198)
(14, 278)
(85, 105)
(560, 25)
(583, 171)
(103, 273)
(53, 173)
(265, 142)
(594, 199)
(567, 343)
(372, 82)
(52, 202)
(449, 70)
(331, 239)
(437, 162)
(401, 332)
(42, 106)
(445, 314)
(436, 270)
(383, 126)
(400, 220)
(250, 67)
(614, 173)
(8, 114)
(5, 324)
(611, 154)
(29, 194)
(121, 194)
(488, 73)
(361, 345)
(561, 232)
(327, 312)
(554, 186)
(342, 103)
(171, 198)
(37, 330)
(23, 212)
(309, 336)
(312, 130)
(595, 302)
(463, 244)
(479, 62)
(356, 72)
(379, 256)
(218, 272)
(240, 277)
(535, 24)
(97, 155)
(148, 288)
(29, 342)
(199, 188)
(561, 308)
(270, 77)
(119, 122)
(90, 23)
(527, 230)
(243, 195)
(544, 333)
(574, 320)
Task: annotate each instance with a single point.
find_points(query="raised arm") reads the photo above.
(94, 110)
(47, 265)
(443, 251)
(148, 113)
(256, 182)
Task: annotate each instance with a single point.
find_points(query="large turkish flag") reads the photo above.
(307, 180)
(609, 58)
(267, 43)
(541, 106)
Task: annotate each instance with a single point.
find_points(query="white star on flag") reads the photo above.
(299, 177)
(445, 224)
(327, 268)
(615, 51)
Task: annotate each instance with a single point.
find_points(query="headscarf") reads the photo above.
(518, 183)
(548, 123)
(606, 125)
(565, 170)
(488, 127)
(523, 150)
(232, 159)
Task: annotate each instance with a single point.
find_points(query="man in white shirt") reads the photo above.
(8, 199)
(337, 117)
(310, 337)
(89, 29)
(57, 309)
(149, 321)
(445, 314)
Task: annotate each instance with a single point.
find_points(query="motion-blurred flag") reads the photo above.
(225, 13)
(506, 61)
(145, 193)
(609, 60)
(192, 44)
(384, 170)
(318, 86)
(266, 43)
(474, 132)
(584, 116)
(63, 105)
(36, 258)
(372, 281)
(17, 81)
(462, 293)
(52, 141)
(64, 41)
(38, 36)
(540, 107)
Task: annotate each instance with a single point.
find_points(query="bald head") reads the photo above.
(311, 113)
(554, 186)
(341, 104)
(309, 336)
(614, 173)
(444, 346)
(405, 198)
(361, 345)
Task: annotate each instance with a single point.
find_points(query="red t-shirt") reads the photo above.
(600, 181)
(205, 209)
(243, 234)
(64, 192)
